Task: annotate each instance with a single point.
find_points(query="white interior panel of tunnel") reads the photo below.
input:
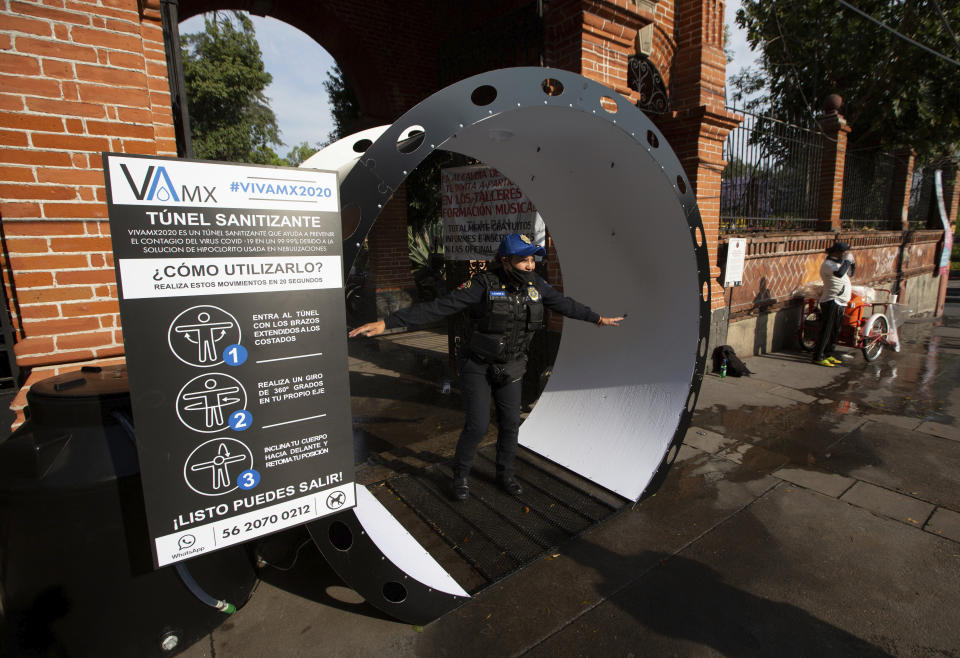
(399, 545)
(615, 397)
(341, 155)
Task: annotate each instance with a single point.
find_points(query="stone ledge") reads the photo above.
(945, 523)
(828, 484)
(888, 503)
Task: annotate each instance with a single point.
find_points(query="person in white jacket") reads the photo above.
(835, 271)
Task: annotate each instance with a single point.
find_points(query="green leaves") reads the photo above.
(230, 116)
(895, 94)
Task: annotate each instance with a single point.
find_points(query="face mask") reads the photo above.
(515, 276)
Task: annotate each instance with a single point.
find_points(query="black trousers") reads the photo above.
(830, 314)
(478, 385)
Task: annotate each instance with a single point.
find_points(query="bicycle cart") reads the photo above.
(866, 325)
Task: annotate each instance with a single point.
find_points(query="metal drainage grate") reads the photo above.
(496, 533)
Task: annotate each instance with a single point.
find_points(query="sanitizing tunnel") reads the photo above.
(625, 223)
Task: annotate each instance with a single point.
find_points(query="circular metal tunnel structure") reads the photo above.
(625, 223)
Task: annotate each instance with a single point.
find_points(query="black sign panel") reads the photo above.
(231, 299)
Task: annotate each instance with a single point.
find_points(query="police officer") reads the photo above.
(835, 272)
(506, 305)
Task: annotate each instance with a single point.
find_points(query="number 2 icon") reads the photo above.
(241, 420)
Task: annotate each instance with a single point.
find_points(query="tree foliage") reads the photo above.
(230, 115)
(343, 104)
(299, 153)
(894, 93)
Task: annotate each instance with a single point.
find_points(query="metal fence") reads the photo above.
(867, 189)
(772, 178)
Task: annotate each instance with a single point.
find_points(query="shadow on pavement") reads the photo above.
(682, 599)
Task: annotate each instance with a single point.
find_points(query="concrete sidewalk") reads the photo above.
(811, 511)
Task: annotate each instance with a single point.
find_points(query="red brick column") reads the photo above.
(700, 122)
(832, 163)
(389, 254)
(75, 79)
(900, 195)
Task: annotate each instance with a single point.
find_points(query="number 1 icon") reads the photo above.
(235, 355)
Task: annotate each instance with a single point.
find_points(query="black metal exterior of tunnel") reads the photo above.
(383, 168)
(352, 554)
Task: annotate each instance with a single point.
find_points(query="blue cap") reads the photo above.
(519, 245)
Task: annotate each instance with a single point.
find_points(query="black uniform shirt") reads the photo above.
(473, 293)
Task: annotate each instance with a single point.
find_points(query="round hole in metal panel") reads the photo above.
(703, 347)
(706, 291)
(345, 595)
(681, 185)
(652, 139)
(692, 401)
(340, 536)
(552, 87)
(394, 592)
(362, 145)
(610, 105)
(483, 95)
(700, 236)
(674, 451)
(411, 139)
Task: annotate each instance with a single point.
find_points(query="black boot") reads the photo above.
(460, 488)
(510, 485)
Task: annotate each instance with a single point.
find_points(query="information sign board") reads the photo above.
(736, 253)
(231, 299)
(480, 206)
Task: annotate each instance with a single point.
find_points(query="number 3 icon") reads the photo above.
(249, 479)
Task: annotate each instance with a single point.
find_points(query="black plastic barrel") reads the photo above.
(76, 576)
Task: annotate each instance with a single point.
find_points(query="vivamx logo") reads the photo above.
(156, 185)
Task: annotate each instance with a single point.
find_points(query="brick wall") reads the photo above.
(389, 263)
(776, 266)
(76, 78)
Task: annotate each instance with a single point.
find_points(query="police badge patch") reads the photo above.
(533, 294)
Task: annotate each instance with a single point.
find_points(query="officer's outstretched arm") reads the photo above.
(609, 322)
(369, 329)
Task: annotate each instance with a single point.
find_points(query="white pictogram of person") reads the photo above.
(212, 400)
(205, 335)
(219, 467)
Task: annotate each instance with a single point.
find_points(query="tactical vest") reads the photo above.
(508, 322)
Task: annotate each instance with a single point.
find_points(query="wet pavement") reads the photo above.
(811, 511)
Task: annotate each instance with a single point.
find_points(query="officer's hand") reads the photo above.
(610, 322)
(369, 329)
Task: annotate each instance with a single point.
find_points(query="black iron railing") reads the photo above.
(867, 188)
(772, 178)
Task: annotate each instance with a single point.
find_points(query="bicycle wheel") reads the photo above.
(873, 341)
(809, 330)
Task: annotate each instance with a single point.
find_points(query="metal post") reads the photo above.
(169, 11)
